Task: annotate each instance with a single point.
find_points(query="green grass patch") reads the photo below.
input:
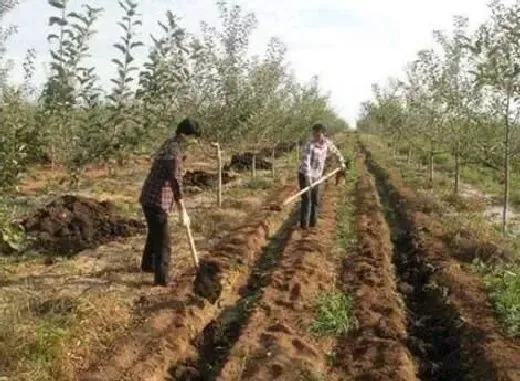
(334, 314)
(259, 183)
(503, 286)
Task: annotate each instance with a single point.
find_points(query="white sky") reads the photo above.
(348, 43)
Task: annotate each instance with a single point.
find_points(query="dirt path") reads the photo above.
(177, 316)
(452, 326)
(275, 342)
(493, 210)
(377, 350)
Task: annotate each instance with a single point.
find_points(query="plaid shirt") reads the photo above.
(164, 181)
(315, 154)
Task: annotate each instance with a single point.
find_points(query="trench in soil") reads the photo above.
(434, 326)
(219, 336)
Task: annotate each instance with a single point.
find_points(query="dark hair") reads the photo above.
(188, 127)
(318, 127)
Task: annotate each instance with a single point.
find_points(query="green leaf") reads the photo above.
(120, 47)
(117, 62)
(51, 37)
(57, 20)
(136, 44)
(60, 4)
(123, 26)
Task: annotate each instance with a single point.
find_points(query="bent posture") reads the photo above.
(161, 190)
(311, 169)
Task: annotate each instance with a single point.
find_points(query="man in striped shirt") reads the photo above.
(162, 190)
(311, 169)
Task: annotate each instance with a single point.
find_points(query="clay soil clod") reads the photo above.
(207, 283)
(69, 224)
(244, 162)
(206, 180)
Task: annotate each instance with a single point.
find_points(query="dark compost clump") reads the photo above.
(206, 180)
(70, 224)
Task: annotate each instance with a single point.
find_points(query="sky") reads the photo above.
(349, 44)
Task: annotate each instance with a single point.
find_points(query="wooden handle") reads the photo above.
(193, 249)
(322, 179)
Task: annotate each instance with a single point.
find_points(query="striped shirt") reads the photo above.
(164, 182)
(314, 156)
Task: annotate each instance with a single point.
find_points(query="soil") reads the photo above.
(377, 350)
(279, 150)
(171, 319)
(269, 338)
(206, 180)
(244, 161)
(70, 224)
(452, 323)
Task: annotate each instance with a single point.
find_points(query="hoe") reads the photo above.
(289, 200)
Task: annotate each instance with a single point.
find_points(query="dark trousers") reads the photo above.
(157, 250)
(309, 205)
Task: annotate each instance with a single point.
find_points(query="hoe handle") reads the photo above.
(317, 182)
(193, 249)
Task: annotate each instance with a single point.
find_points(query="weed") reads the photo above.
(503, 286)
(309, 375)
(258, 183)
(334, 314)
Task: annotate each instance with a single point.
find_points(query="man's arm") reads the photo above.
(175, 179)
(335, 151)
(306, 163)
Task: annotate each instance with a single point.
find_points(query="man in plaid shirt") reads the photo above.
(311, 170)
(162, 188)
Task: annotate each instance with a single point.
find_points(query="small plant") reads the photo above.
(334, 314)
(12, 235)
(257, 184)
(504, 290)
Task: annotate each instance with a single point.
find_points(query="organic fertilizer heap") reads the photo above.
(206, 180)
(70, 224)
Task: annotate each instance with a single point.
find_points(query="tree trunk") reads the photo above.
(456, 186)
(272, 162)
(253, 165)
(219, 163)
(430, 168)
(506, 170)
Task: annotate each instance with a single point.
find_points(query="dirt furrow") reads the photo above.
(266, 336)
(377, 349)
(453, 329)
(176, 317)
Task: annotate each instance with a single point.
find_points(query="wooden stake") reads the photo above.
(219, 163)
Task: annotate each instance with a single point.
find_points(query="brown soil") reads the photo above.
(244, 161)
(265, 336)
(454, 324)
(377, 350)
(279, 150)
(70, 224)
(204, 180)
(173, 318)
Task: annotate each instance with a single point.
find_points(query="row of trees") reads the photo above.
(240, 100)
(461, 97)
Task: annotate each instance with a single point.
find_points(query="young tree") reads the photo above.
(124, 125)
(461, 97)
(163, 82)
(497, 56)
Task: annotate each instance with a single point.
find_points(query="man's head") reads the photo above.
(188, 131)
(318, 132)
(188, 127)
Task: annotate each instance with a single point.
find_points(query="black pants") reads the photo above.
(157, 250)
(309, 205)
